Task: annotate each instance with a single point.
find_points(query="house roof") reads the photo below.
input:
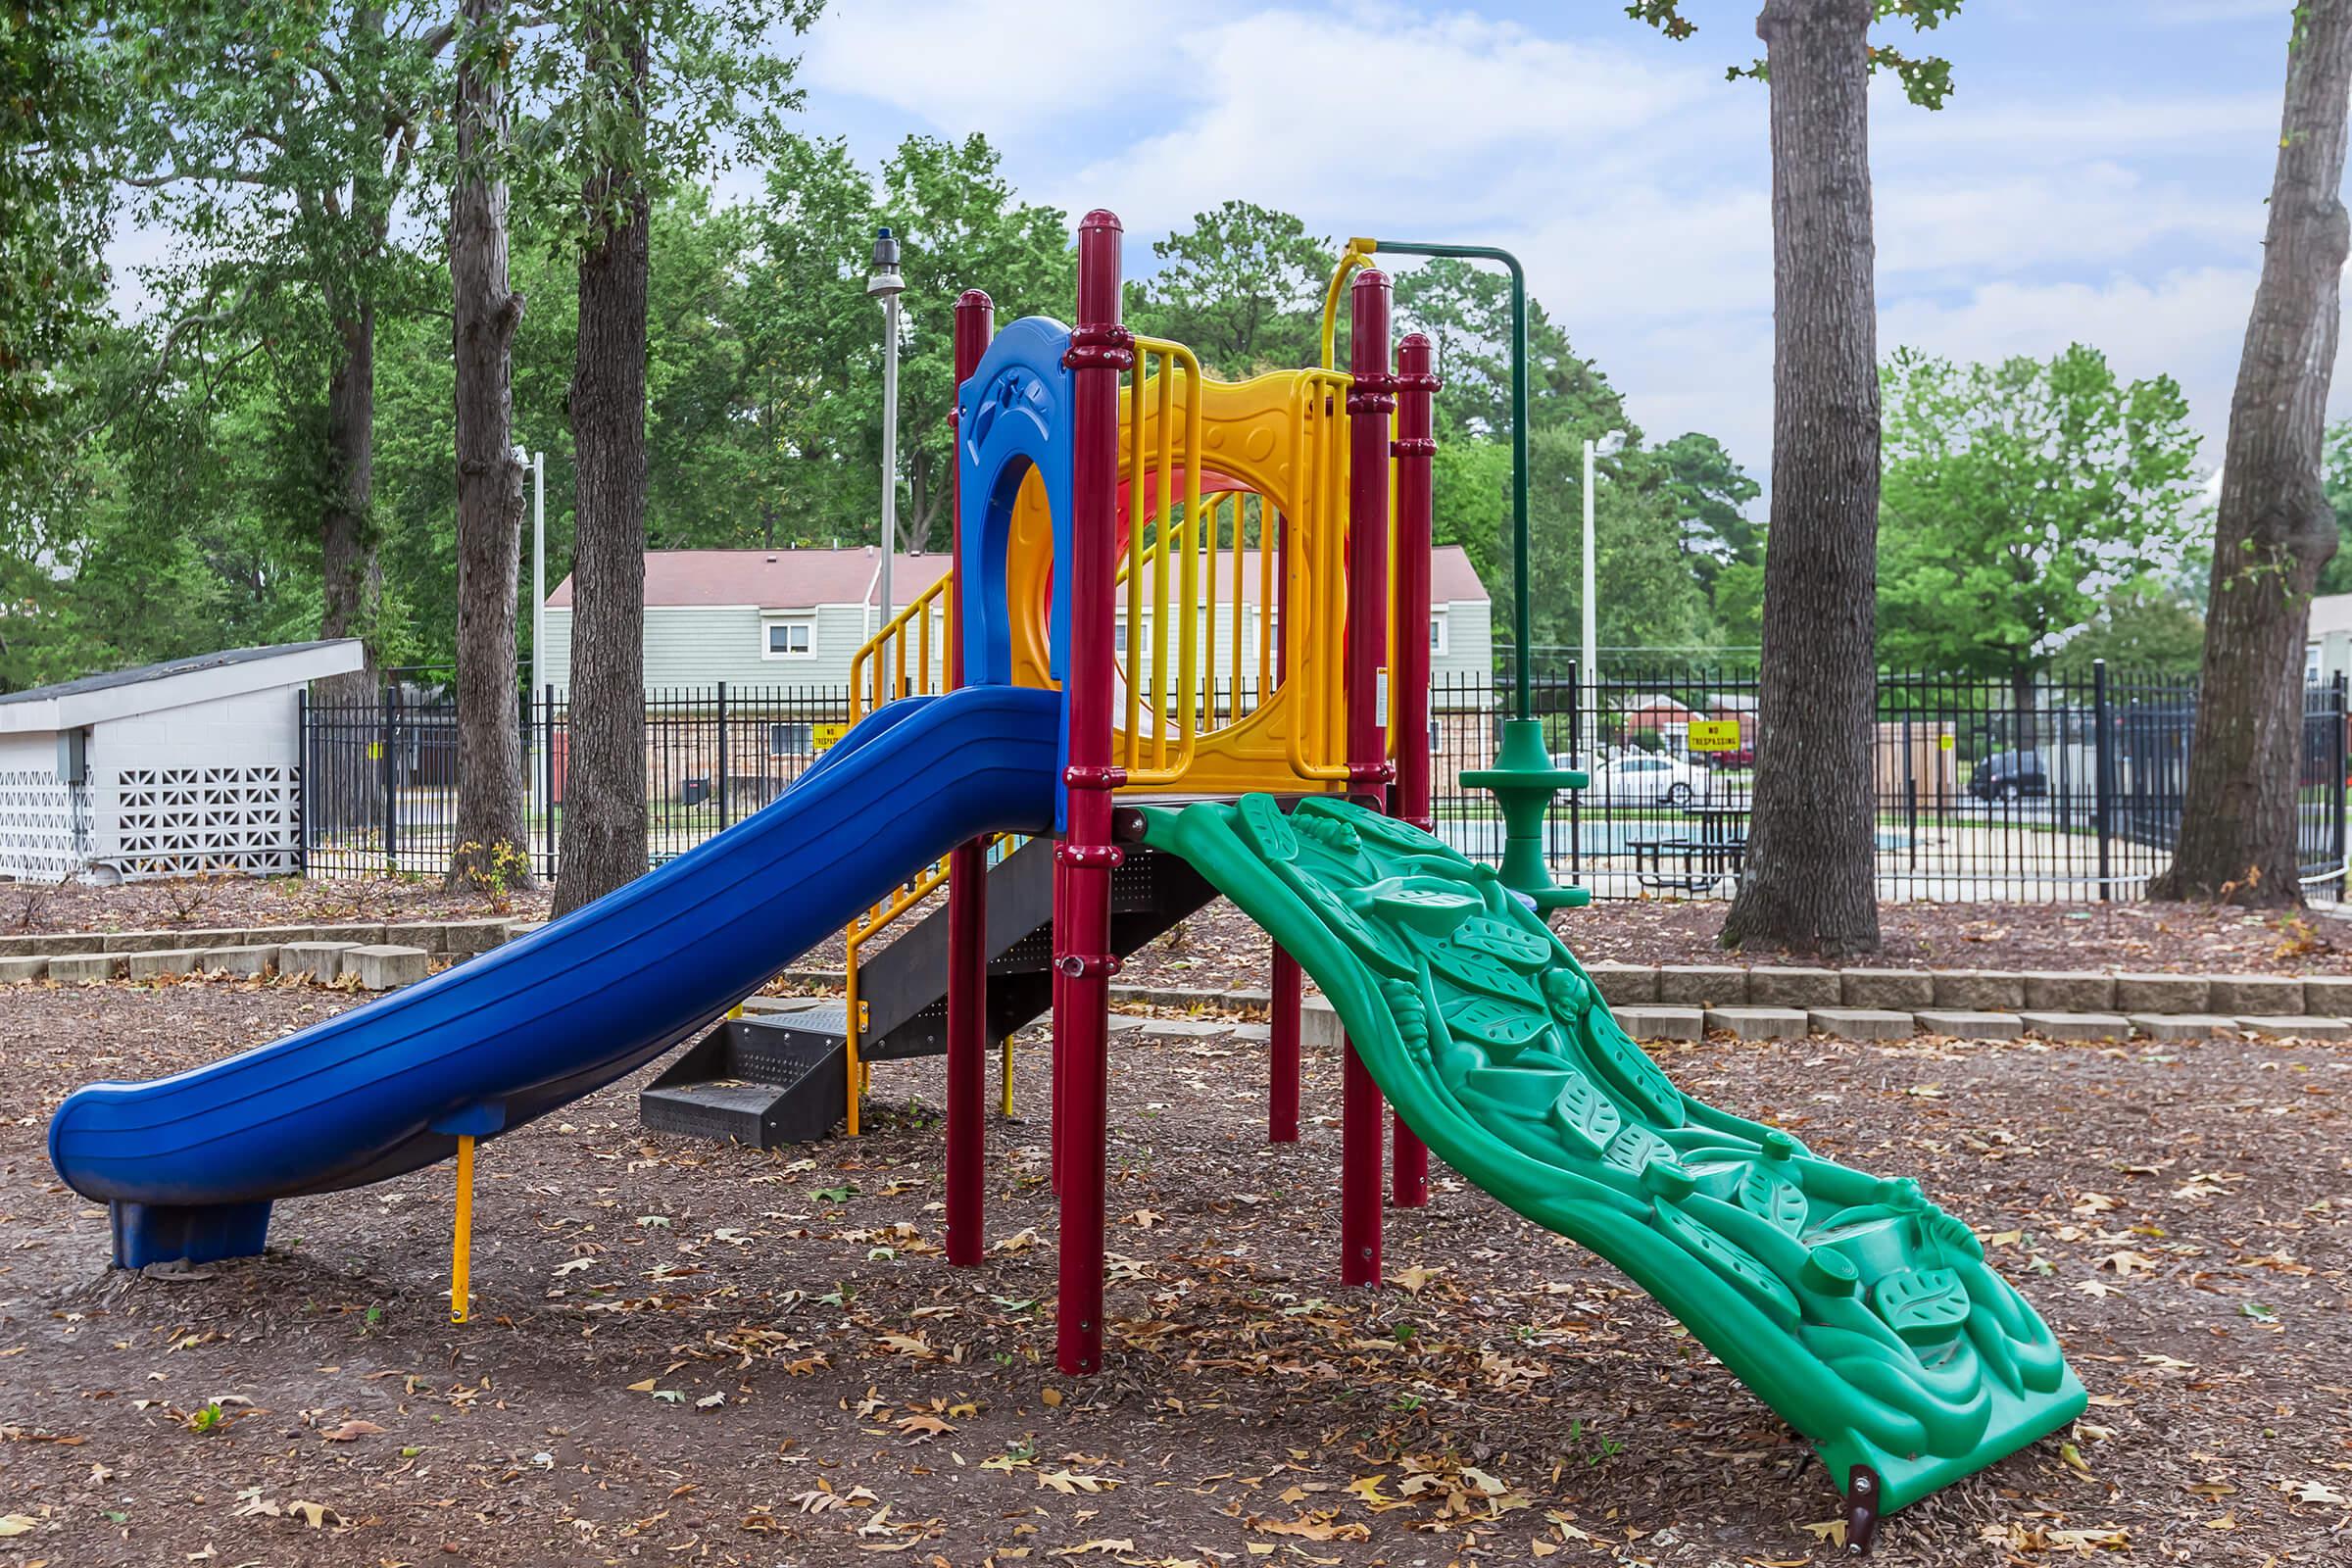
(800, 579)
(774, 579)
(1650, 702)
(175, 684)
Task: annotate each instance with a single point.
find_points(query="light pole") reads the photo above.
(1607, 446)
(882, 278)
(537, 461)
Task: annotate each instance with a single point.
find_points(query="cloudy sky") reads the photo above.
(2099, 175)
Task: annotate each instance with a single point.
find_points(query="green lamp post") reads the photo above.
(1522, 780)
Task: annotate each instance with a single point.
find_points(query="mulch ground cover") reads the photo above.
(684, 1352)
(234, 900)
(1219, 946)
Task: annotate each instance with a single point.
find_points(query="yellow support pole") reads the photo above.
(461, 1261)
(1005, 1094)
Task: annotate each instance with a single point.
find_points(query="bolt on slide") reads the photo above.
(1860, 1311)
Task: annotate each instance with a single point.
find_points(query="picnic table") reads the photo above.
(1695, 863)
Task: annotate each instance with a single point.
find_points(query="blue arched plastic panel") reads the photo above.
(1012, 414)
(191, 1163)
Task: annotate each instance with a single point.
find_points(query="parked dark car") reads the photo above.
(2008, 776)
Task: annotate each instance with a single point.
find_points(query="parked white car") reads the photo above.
(1646, 778)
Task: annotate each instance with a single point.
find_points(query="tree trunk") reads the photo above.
(343, 765)
(2025, 729)
(354, 581)
(492, 843)
(1808, 882)
(2274, 529)
(604, 808)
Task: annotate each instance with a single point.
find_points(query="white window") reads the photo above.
(791, 740)
(788, 637)
(1437, 633)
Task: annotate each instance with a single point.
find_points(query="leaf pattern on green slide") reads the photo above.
(1851, 1303)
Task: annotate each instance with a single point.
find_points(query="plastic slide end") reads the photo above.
(164, 1233)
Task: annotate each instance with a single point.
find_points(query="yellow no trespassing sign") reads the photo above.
(1714, 735)
(822, 736)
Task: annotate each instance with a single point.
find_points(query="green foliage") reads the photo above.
(55, 202)
(713, 92)
(817, 342)
(1926, 80)
(1650, 593)
(2336, 477)
(1723, 545)
(1242, 289)
(2138, 632)
(2016, 498)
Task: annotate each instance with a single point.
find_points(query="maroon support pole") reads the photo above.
(967, 901)
(1414, 448)
(1053, 1049)
(1282, 1051)
(1370, 399)
(1100, 348)
(1282, 1092)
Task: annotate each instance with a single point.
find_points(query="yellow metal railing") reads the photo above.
(907, 658)
(1176, 550)
(1189, 564)
(1312, 634)
(908, 655)
(871, 924)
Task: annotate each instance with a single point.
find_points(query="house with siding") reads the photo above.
(795, 618)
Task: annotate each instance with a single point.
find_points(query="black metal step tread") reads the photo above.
(718, 1094)
(823, 1018)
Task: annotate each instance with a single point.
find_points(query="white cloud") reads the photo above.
(1003, 67)
(1352, 121)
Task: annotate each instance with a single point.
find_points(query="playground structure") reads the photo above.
(1052, 707)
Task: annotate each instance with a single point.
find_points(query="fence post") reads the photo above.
(302, 782)
(1576, 758)
(2337, 719)
(2102, 773)
(390, 731)
(722, 757)
(547, 756)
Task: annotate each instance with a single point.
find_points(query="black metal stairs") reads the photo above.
(779, 1074)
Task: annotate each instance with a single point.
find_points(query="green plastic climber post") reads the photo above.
(1522, 778)
(1524, 782)
(1856, 1308)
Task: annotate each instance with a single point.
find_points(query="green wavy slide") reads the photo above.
(1860, 1311)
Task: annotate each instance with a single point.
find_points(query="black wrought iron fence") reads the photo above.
(379, 780)
(2052, 789)
(2060, 789)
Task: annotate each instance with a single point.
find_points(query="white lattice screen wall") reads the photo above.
(180, 822)
(44, 826)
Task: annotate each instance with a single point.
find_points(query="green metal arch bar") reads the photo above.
(1360, 251)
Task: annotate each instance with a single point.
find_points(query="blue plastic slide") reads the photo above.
(192, 1163)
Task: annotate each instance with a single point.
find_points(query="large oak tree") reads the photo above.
(2275, 530)
(1809, 883)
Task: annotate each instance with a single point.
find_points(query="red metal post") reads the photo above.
(1414, 448)
(1282, 1051)
(967, 900)
(1100, 348)
(1370, 400)
(1053, 1048)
